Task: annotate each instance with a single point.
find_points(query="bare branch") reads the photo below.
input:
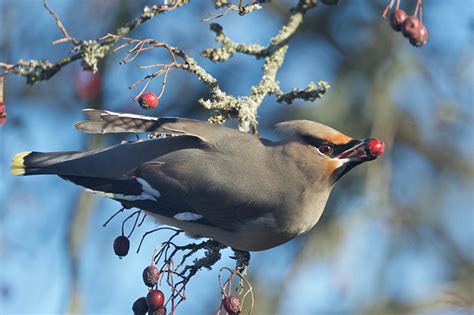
(61, 27)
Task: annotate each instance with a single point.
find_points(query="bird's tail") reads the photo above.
(111, 162)
(35, 163)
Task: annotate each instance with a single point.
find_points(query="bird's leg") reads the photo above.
(242, 259)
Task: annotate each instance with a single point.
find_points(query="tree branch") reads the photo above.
(90, 51)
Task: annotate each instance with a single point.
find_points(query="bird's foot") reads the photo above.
(242, 260)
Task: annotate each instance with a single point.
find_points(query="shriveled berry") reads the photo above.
(140, 307)
(121, 246)
(148, 100)
(231, 304)
(411, 26)
(159, 311)
(155, 299)
(397, 18)
(150, 275)
(421, 38)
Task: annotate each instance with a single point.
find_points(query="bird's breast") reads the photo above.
(303, 213)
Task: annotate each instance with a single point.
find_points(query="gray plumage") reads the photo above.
(244, 191)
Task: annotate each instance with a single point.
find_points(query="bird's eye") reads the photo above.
(326, 149)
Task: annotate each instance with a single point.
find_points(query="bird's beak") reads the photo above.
(365, 150)
(362, 151)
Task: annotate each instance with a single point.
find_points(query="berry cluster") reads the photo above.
(411, 26)
(154, 302)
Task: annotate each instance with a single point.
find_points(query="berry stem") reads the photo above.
(128, 218)
(113, 216)
(388, 8)
(419, 10)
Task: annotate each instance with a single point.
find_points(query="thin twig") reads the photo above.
(113, 216)
(60, 25)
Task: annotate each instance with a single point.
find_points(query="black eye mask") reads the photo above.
(337, 148)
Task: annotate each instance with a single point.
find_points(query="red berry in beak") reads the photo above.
(376, 147)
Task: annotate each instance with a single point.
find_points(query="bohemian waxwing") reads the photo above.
(208, 180)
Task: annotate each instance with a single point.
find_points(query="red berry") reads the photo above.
(148, 100)
(140, 307)
(155, 299)
(420, 38)
(397, 18)
(376, 147)
(411, 26)
(231, 304)
(88, 85)
(150, 275)
(121, 246)
(3, 113)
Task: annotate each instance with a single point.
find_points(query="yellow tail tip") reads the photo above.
(18, 163)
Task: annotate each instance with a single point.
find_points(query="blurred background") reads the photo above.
(397, 236)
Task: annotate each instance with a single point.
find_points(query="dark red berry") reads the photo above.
(150, 275)
(88, 85)
(397, 18)
(148, 100)
(411, 26)
(159, 311)
(155, 299)
(231, 304)
(140, 307)
(121, 246)
(420, 38)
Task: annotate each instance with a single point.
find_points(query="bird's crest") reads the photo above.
(307, 128)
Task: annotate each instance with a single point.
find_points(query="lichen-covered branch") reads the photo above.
(246, 107)
(241, 8)
(90, 51)
(311, 93)
(229, 48)
(224, 106)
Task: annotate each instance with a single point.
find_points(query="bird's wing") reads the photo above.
(189, 185)
(103, 121)
(226, 188)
